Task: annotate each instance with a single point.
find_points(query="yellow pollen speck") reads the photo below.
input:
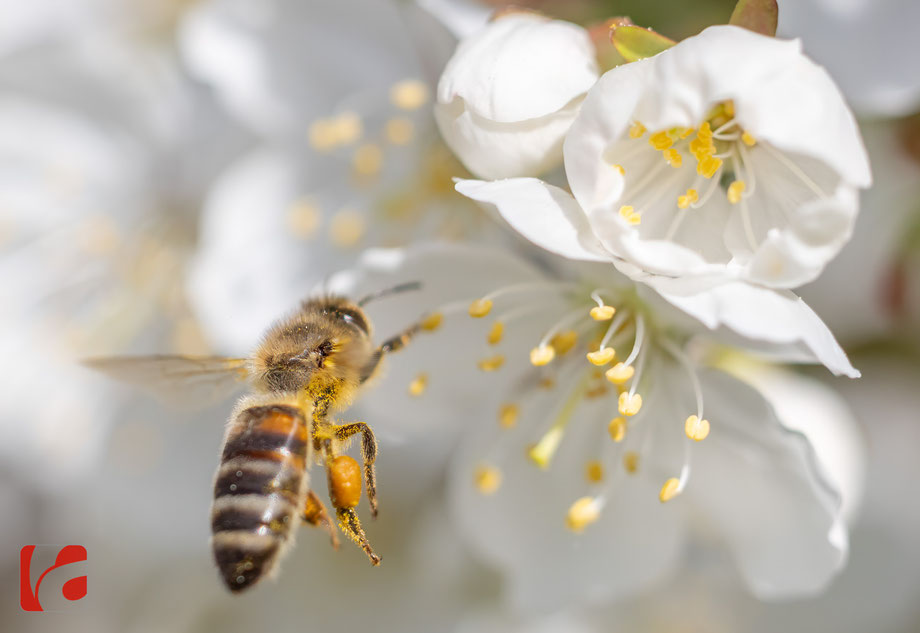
(617, 429)
(696, 428)
(546, 383)
(669, 490)
(480, 307)
(367, 160)
(432, 322)
(304, 218)
(709, 166)
(581, 514)
(629, 404)
(660, 140)
(495, 334)
(601, 356)
(491, 364)
(673, 157)
(620, 373)
(620, 169)
(603, 313)
(748, 139)
(686, 132)
(735, 190)
(488, 479)
(417, 387)
(594, 471)
(347, 228)
(508, 415)
(631, 462)
(629, 214)
(637, 130)
(563, 342)
(542, 355)
(409, 94)
(399, 130)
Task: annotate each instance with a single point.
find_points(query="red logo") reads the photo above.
(73, 589)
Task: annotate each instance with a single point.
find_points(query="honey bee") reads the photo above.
(307, 367)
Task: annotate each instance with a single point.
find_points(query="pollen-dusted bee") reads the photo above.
(308, 366)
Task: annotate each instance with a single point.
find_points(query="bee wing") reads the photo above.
(184, 380)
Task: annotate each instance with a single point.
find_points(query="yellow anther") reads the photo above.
(629, 404)
(563, 342)
(594, 471)
(735, 190)
(684, 201)
(701, 148)
(673, 157)
(728, 107)
(603, 313)
(629, 214)
(620, 169)
(488, 479)
(601, 356)
(748, 139)
(686, 132)
(480, 307)
(660, 140)
(304, 218)
(508, 415)
(620, 373)
(432, 322)
(409, 94)
(542, 355)
(495, 333)
(582, 513)
(631, 462)
(617, 429)
(696, 428)
(709, 166)
(367, 160)
(493, 363)
(399, 130)
(542, 452)
(705, 131)
(669, 490)
(347, 228)
(546, 383)
(637, 130)
(418, 385)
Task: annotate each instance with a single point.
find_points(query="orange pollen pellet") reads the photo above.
(344, 482)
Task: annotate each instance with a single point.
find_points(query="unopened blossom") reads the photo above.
(605, 431)
(510, 92)
(730, 156)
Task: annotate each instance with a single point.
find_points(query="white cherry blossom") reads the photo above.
(510, 92)
(728, 157)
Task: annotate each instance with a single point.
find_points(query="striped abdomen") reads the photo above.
(259, 491)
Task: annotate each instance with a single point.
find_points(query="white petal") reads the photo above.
(546, 215)
(775, 322)
(520, 66)
(760, 487)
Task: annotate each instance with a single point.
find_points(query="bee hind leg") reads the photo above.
(348, 521)
(314, 513)
(369, 456)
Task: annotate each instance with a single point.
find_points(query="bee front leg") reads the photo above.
(314, 513)
(369, 454)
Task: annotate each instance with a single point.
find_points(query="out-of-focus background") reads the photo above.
(176, 173)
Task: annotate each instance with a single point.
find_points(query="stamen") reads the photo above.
(488, 479)
(686, 132)
(611, 331)
(508, 415)
(601, 356)
(493, 363)
(620, 373)
(542, 355)
(745, 211)
(795, 169)
(660, 140)
(563, 342)
(629, 403)
(496, 333)
(594, 471)
(631, 462)
(709, 166)
(637, 130)
(735, 190)
(637, 345)
(629, 214)
(696, 429)
(713, 185)
(620, 169)
(687, 199)
(418, 385)
(542, 452)
(480, 308)
(748, 139)
(673, 158)
(684, 360)
(603, 312)
(617, 429)
(432, 322)
(669, 490)
(582, 513)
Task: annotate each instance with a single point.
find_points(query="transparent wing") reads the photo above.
(184, 380)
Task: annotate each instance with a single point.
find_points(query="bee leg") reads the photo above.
(393, 344)
(345, 492)
(314, 513)
(348, 521)
(369, 454)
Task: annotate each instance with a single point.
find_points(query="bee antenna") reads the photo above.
(386, 292)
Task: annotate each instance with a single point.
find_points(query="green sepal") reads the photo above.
(635, 43)
(759, 16)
